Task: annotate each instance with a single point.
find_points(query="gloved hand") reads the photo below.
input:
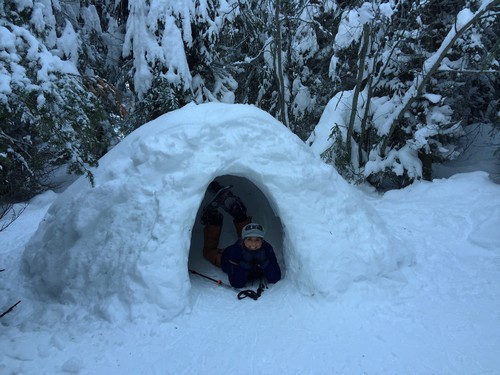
(260, 257)
(247, 257)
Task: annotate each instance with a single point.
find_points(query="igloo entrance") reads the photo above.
(258, 207)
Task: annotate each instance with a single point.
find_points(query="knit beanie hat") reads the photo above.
(252, 230)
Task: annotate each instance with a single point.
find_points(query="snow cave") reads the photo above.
(131, 237)
(258, 207)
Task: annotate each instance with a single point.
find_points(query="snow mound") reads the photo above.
(121, 248)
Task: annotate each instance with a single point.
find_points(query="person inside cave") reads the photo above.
(250, 257)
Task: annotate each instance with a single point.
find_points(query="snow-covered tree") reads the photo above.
(49, 112)
(171, 44)
(277, 52)
(401, 117)
(406, 77)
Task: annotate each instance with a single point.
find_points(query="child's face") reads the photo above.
(253, 243)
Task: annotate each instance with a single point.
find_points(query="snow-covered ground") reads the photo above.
(436, 310)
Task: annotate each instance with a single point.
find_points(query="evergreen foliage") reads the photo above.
(50, 115)
(78, 76)
(400, 68)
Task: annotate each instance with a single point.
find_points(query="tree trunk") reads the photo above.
(279, 65)
(357, 90)
(363, 137)
(426, 159)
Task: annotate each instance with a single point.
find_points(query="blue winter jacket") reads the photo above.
(239, 276)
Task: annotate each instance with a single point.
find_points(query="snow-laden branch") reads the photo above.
(159, 33)
(465, 19)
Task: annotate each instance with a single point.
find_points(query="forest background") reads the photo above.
(414, 81)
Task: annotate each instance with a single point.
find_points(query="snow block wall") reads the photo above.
(126, 242)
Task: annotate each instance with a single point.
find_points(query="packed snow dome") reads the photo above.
(123, 246)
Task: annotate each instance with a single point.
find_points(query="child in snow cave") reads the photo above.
(250, 257)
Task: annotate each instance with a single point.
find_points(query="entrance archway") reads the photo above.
(258, 207)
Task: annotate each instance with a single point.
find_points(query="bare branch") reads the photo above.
(10, 210)
(10, 309)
